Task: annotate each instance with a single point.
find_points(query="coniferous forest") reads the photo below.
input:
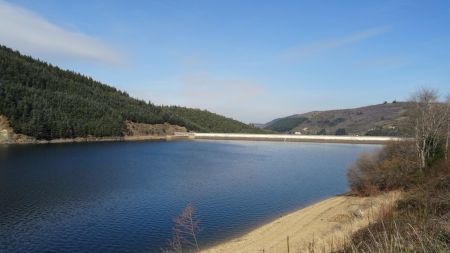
(46, 102)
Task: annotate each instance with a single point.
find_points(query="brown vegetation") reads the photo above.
(184, 232)
(420, 221)
(394, 167)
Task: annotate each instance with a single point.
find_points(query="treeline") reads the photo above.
(211, 122)
(46, 102)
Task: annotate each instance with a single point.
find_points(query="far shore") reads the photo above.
(323, 226)
(28, 140)
(220, 136)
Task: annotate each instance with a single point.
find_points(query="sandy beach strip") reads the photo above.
(322, 225)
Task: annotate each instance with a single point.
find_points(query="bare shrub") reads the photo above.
(360, 173)
(391, 168)
(184, 232)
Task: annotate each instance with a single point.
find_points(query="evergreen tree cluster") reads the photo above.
(211, 122)
(46, 102)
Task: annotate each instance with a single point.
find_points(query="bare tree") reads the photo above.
(429, 118)
(185, 231)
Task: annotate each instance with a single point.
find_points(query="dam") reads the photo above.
(292, 137)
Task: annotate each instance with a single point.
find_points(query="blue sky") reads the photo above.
(250, 60)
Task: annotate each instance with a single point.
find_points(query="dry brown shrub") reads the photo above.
(393, 167)
(419, 222)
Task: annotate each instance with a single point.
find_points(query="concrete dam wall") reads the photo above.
(294, 138)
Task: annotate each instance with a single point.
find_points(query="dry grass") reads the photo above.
(419, 222)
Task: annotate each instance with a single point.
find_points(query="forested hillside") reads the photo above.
(211, 122)
(46, 102)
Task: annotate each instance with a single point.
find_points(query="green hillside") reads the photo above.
(46, 102)
(211, 122)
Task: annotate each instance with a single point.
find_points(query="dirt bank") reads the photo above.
(140, 129)
(7, 135)
(322, 225)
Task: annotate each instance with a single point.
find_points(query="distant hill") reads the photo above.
(383, 119)
(46, 102)
(258, 125)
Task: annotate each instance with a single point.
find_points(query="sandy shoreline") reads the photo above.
(320, 225)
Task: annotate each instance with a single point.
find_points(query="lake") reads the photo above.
(123, 196)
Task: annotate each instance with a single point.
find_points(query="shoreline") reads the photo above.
(28, 140)
(217, 136)
(323, 226)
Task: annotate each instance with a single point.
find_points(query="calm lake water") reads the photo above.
(122, 196)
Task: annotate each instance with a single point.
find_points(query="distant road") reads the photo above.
(294, 138)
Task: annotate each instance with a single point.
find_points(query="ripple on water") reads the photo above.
(122, 197)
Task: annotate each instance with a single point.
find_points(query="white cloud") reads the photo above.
(30, 33)
(308, 50)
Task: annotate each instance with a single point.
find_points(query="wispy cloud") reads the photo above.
(309, 50)
(30, 33)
